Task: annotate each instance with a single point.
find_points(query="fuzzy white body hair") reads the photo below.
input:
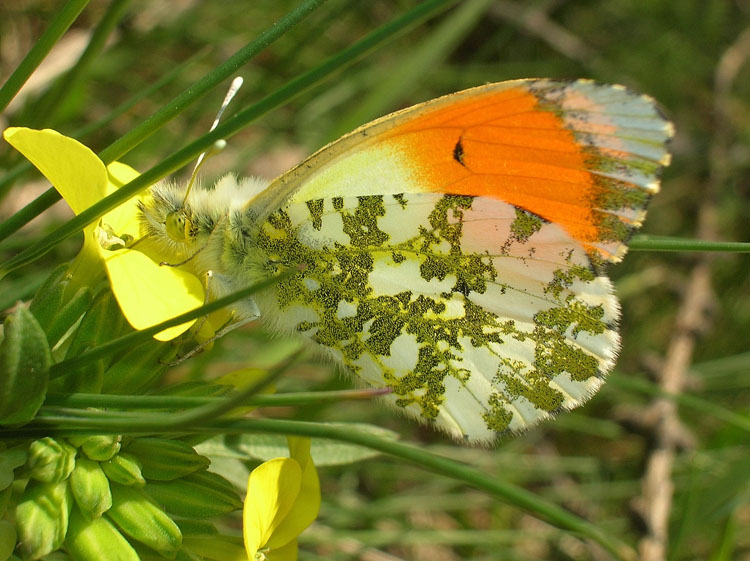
(207, 212)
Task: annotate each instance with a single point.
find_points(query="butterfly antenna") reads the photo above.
(219, 145)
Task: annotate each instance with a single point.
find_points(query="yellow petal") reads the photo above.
(272, 489)
(149, 294)
(74, 170)
(307, 505)
(123, 219)
(120, 174)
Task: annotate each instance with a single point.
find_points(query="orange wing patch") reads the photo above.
(562, 153)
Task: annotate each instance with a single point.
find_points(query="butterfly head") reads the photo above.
(168, 219)
(177, 225)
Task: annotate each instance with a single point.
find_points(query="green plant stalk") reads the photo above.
(225, 70)
(46, 111)
(506, 492)
(194, 416)
(172, 402)
(643, 242)
(64, 19)
(704, 406)
(291, 90)
(135, 338)
(459, 537)
(51, 196)
(173, 108)
(403, 76)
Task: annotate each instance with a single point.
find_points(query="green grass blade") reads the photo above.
(46, 111)
(170, 110)
(642, 242)
(208, 82)
(50, 197)
(141, 402)
(704, 406)
(404, 76)
(64, 19)
(135, 338)
(507, 492)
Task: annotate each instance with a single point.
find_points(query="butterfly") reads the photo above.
(452, 252)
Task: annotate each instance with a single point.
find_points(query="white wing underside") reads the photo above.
(480, 318)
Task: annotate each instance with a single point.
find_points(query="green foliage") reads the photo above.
(689, 55)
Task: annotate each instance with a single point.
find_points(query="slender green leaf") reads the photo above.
(64, 19)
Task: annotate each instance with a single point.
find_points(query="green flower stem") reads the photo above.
(507, 492)
(46, 111)
(170, 110)
(644, 242)
(30, 211)
(213, 409)
(167, 422)
(64, 19)
(225, 70)
(226, 130)
(135, 338)
(405, 74)
(51, 196)
(172, 402)
(630, 383)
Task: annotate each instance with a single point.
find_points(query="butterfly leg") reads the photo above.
(245, 311)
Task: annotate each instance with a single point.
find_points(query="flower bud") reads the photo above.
(42, 518)
(101, 447)
(138, 516)
(165, 459)
(90, 488)
(50, 460)
(124, 469)
(199, 495)
(97, 539)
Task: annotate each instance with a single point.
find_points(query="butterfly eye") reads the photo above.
(177, 226)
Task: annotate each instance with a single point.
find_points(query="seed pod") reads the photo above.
(101, 447)
(164, 459)
(199, 495)
(68, 314)
(97, 539)
(136, 514)
(90, 488)
(103, 322)
(25, 360)
(124, 469)
(42, 518)
(50, 460)
(48, 298)
(139, 368)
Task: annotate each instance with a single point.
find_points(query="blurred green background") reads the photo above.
(692, 56)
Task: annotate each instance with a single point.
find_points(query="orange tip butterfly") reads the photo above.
(452, 252)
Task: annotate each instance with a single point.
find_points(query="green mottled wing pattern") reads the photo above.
(480, 318)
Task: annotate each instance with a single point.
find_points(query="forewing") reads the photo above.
(479, 316)
(585, 156)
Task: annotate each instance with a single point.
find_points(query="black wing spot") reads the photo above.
(458, 152)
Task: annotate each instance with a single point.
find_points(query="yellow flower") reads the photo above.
(146, 292)
(283, 498)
